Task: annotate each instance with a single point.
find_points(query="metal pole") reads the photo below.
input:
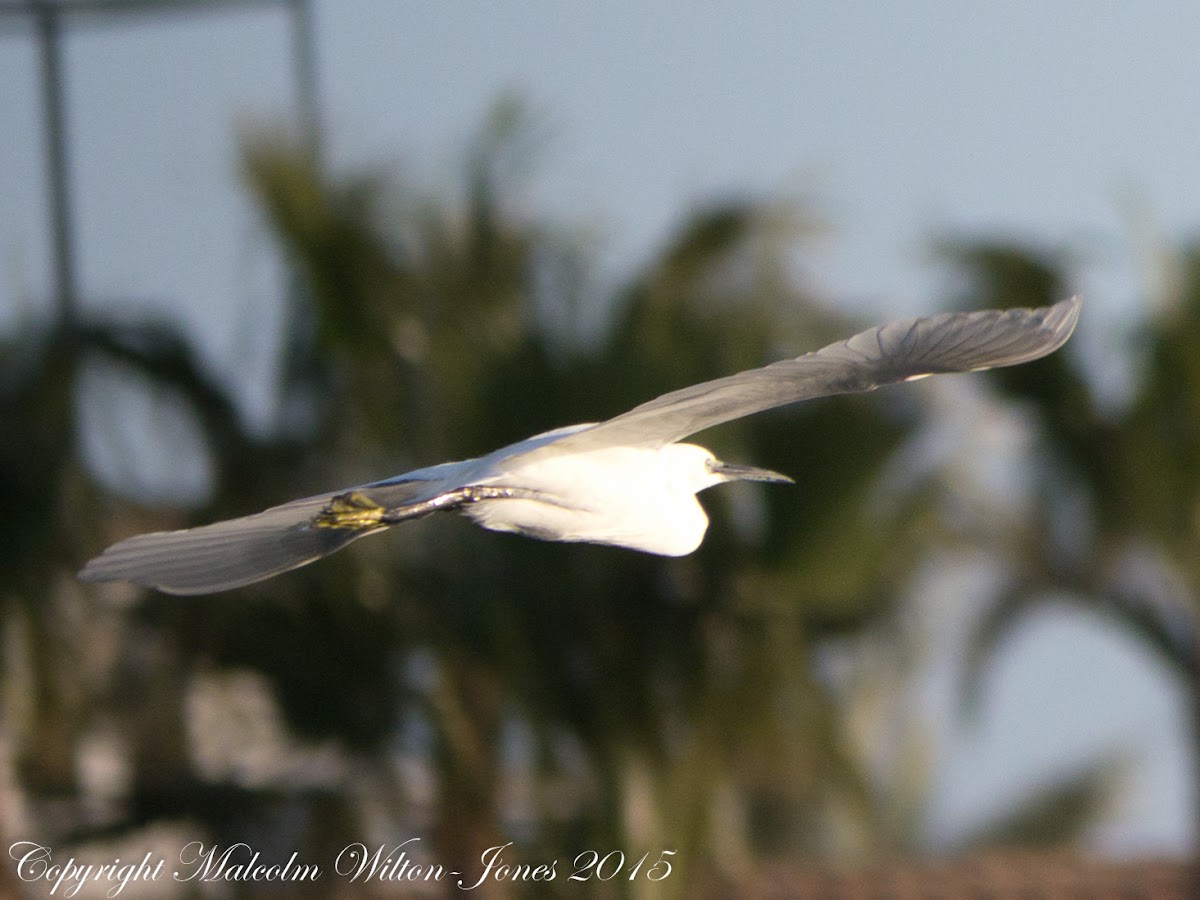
(304, 56)
(48, 19)
(62, 241)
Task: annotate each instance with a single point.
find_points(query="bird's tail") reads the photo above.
(241, 551)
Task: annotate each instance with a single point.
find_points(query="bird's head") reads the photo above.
(697, 468)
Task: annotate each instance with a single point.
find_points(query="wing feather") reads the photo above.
(899, 351)
(240, 551)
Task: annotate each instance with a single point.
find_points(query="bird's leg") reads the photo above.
(355, 510)
(456, 498)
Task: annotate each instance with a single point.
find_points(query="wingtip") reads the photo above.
(91, 572)
(1060, 320)
(1068, 314)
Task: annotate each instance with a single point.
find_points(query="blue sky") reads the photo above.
(1073, 124)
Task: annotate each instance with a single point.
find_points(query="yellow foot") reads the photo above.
(353, 510)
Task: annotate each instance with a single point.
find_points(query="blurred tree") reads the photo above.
(1113, 523)
(691, 672)
(482, 686)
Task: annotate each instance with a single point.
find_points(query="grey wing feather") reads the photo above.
(240, 551)
(899, 351)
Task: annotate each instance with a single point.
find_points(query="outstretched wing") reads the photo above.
(237, 552)
(241, 551)
(899, 351)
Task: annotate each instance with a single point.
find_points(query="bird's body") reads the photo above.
(572, 498)
(627, 481)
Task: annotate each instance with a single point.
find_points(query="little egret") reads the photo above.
(625, 482)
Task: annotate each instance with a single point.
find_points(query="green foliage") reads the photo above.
(651, 702)
(1114, 527)
(1131, 475)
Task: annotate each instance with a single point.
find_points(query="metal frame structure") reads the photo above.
(50, 18)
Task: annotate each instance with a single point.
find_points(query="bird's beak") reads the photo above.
(733, 472)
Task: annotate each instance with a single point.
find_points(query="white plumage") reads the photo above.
(626, 482)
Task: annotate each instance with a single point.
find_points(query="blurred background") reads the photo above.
(255, 250)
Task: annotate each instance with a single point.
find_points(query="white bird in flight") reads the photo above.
(626, 482)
